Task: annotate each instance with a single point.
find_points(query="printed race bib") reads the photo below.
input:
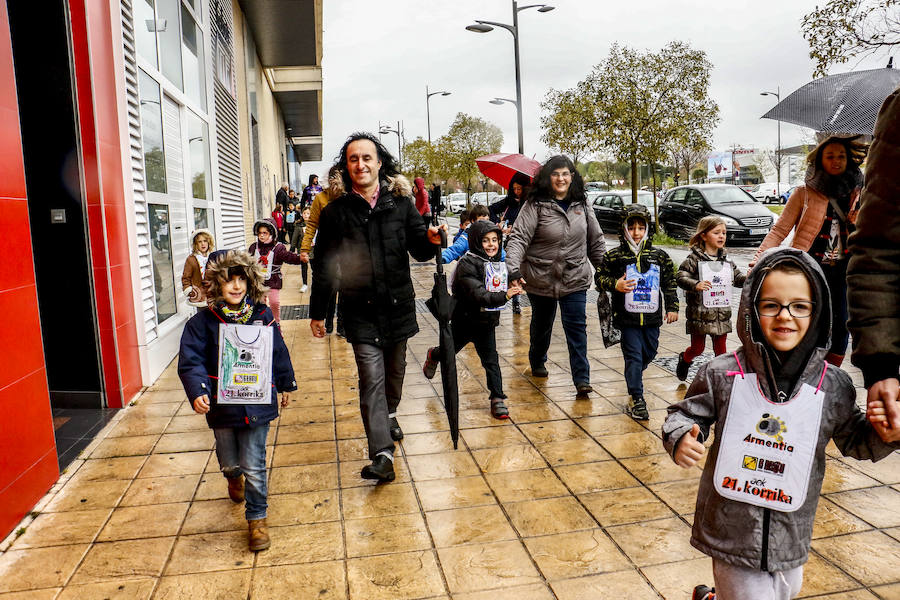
(719, 274)
(496, 279)
(767, 450)
(265, 261)
(245, 364)
(645, 297)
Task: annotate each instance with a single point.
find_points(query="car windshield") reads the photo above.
(726, 195)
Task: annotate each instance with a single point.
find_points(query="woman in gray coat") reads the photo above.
(551, 250)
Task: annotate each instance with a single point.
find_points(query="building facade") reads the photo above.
(141, 121)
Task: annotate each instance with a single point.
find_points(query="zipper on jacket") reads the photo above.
(764, 565)
(638, 265)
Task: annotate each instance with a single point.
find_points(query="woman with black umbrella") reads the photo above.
(555, 236)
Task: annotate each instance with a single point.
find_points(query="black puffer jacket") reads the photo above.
(469, 288)
(370, 249)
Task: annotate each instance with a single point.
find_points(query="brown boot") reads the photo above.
(259, 535)
(834, 359)
(236, 488)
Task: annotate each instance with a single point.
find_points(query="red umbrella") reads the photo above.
(501, 167)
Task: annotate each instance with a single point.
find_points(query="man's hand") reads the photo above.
(883, 403)
(625, 285)
(671, 317)
(304, 256)
(689, 450)
(702, 285)
(318, 328)
(285, 397)
(201, 404)
(434, 235)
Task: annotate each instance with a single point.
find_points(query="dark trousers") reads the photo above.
(574, 322)
(639, 345)
(333, 306)
(482, 336)
(304, 272)
(381, 370)
(836, 276)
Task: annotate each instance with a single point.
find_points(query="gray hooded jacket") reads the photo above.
(743, 534)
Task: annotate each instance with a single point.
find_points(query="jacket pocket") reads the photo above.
(537, 270)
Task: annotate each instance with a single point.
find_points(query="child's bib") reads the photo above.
(767, 450)
(265, 261)
(645, 297)
(289, 218)
(245, 364)
(496, 279)
(719, 274)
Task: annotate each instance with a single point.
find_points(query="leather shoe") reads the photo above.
(583, 390)
(258, 536)
(396, 432)
(236, 488)
(539, 371)
(382, 469)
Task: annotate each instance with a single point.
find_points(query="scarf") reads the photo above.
(240, 315)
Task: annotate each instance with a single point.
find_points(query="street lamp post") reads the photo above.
(486, 26)
(777, 94)
(398, 131)
(428, 96)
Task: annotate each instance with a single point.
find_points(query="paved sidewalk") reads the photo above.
(568, 499)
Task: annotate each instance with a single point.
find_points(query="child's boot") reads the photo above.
(703, 592)
(498, 409)
(637, 408)
(259, 535)
(681, 371)
(236, 488)
(516, 306)
(431, 362)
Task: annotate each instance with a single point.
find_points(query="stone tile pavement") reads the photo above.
(568, 499)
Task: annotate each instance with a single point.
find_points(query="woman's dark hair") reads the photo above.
(542, 188)
(523, 180)
(856, 151)
(389, 166)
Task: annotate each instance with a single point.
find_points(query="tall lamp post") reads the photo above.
(486, 26)
(777, 94)
(498, 102)
(385, 129)
(428, 96)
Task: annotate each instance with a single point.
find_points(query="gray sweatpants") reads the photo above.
(381, 371)
(741, 583)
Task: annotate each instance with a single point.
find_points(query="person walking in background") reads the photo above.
(460, 244)
(271, 254)
(290, 217)
(202, 244)
(707, 276)
(335, 190)
(234, 284)
(505, 211)
(822, 213)
(364, 241)
(304, 266)
(299, 225)
(555, 237)
(281, 196)
(278, 219)
(873, 272)
(311, 190)
(422, 204)
(642, 281)
(434, 198)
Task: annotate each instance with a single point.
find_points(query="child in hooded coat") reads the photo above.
(480, 288)
(775, 403)
(202, 244)
(271, 254)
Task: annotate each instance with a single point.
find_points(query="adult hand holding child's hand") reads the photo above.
(689, 450)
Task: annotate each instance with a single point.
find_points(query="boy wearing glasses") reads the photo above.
(775, 404)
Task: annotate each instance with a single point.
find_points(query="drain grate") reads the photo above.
(294, 312)
(670, 362)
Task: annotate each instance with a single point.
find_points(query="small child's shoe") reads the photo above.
(498, 409)
(258, 538)
(236, 488)
(303, 289)
(431, 362)
(703, 592)
(681, 371)
(637, 409)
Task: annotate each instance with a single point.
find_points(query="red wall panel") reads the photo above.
(28, 464)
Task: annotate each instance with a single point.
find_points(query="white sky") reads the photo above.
(379, 55)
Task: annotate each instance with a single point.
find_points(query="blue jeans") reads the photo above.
(574, 322)
(243, 451)
(639, 346)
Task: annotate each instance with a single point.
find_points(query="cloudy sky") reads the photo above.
(380, 55)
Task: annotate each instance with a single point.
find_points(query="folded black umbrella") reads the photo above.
(441, 306)
(841, 103)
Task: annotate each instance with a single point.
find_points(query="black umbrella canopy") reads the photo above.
(841, 103)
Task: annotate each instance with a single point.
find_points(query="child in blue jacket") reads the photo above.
(234, 287)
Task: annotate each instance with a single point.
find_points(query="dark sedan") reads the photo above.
(746, 222)
(609, 207)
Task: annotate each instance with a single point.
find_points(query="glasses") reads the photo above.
(801, 309)
(561, 174)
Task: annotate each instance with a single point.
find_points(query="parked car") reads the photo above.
(769, 192)
(600, 186)
(746, 222)
(608, 206)
(455, 202)
(485, 198)
(787, 194)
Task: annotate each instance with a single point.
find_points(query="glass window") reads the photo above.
(193, 4)
(693, 198)
(678, 195)
(728, 195)
(145, 30)
(203, 220)
(192, 56)
(198, 156)
(167, 12)
(224, 65)
(152, 134)
(161, 252)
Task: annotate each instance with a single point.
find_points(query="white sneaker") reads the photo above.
(303, 289)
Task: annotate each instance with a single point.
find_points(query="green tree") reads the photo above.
(563, 124)
(417, 158)
(643, 103)
(842, 29)
(685, 157)
(468, 138)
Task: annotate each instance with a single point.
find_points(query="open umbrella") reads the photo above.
(842, 103)
(441, 306)
(501, 167)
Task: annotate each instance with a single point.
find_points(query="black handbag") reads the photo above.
(611, 335)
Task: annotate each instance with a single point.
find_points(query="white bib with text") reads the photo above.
(265, 261)
(496, 279)
(245, 364)
(644, 298)
(719, 274)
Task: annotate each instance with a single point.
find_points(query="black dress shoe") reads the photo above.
(396, 432)
(382, 469)
(539, 371)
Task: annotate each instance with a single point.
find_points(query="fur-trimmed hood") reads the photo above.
(217, 273)
(197, 232)
(267, 222)
(399, 186)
